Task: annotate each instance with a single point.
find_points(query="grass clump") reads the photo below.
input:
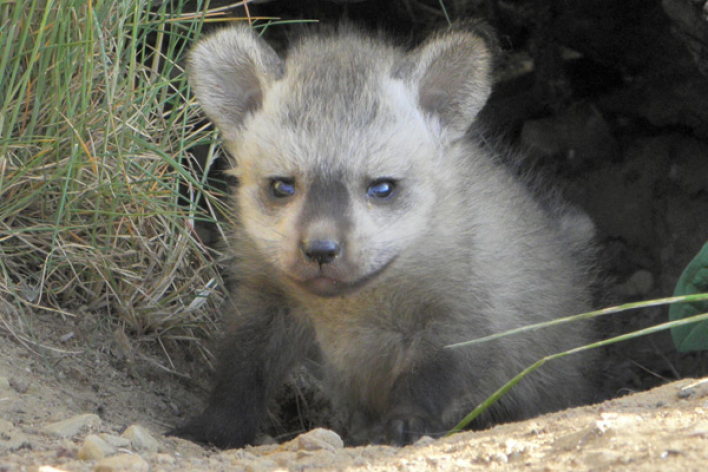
(99, 197)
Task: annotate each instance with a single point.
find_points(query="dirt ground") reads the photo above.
(77, 408)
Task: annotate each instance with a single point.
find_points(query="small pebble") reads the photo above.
(72, 426)
(90, 451)
(315, 440)
(140, 439)
(18, 385)
(424, 441)
(95, 448)
(122, 463)
(686, 392)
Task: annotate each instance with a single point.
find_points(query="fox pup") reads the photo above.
(370, 228)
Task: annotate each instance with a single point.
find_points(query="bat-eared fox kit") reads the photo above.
(371, 229)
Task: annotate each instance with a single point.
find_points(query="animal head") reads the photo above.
(339, 148)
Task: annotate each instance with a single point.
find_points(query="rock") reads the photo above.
(424, 441)
(140, 439)
(122, 463)
(72, 426)
(264, 440)
(315, 440)
(95, 448)
(19, 385)
(91, 450)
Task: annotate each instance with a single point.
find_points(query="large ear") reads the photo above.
(229, 72)
(452, 73)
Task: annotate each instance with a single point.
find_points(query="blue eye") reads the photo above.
(282, 188)
(381, 189)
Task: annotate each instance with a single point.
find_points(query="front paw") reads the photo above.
(404, 430)
(216, 428)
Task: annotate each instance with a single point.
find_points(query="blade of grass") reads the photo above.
(510, 384)
(584, 316)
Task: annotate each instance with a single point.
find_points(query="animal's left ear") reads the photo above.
(452, 73)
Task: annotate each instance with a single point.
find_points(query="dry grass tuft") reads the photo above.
(98, 194)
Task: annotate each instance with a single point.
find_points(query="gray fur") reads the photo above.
(461, 249)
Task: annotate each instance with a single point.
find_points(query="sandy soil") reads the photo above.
(54, 406)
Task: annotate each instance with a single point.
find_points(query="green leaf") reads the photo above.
(692, 337)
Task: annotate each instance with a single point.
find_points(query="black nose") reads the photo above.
(320, 251)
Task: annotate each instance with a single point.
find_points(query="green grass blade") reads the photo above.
(584, 316)
(624, 337)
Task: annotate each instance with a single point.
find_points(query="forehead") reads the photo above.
(377, 144)
(339, 80)
(337, 109)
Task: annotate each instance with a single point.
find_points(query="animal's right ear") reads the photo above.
(229, 72)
